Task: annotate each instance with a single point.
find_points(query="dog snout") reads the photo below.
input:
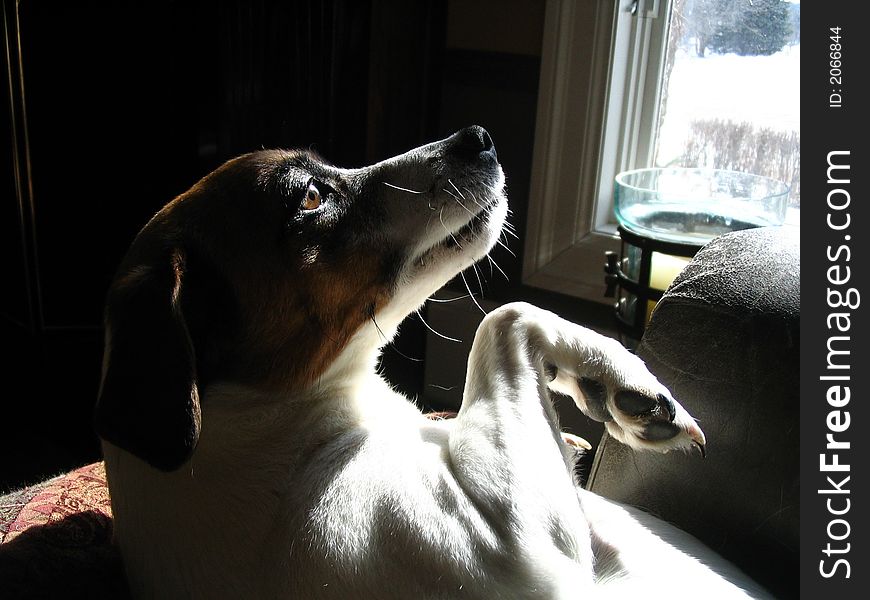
(470, 143)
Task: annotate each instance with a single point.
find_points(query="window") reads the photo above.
(640, 83)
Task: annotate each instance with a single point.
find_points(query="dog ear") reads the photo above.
(149, 402)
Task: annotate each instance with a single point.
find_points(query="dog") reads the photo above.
(252, 450)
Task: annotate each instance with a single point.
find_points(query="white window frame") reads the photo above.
(598, 99)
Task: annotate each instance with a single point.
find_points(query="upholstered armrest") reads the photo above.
(725, 338)
(56, 539)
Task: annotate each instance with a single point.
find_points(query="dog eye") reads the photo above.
(312, 198)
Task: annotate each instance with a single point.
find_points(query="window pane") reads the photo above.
(731, 89)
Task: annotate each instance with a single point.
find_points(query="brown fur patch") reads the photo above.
(294, 312)
(297, 327)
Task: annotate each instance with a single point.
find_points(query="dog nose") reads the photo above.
(471, 142)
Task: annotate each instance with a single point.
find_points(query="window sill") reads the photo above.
(579, 270)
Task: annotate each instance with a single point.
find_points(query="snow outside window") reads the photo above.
(730, 94)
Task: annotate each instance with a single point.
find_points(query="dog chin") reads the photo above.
(431, 268)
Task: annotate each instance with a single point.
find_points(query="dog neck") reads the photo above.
(251, 446)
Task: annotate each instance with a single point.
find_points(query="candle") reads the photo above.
(664, 268)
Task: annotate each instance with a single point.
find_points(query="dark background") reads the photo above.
(113, 108)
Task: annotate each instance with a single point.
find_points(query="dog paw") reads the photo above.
(607, 382)
(618, 390)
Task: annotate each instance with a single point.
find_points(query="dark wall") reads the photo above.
(128, 104)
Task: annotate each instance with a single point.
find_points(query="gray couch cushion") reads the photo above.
(725, 338)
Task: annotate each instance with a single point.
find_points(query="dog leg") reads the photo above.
(506, 446)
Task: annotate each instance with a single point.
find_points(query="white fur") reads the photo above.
(346, 490)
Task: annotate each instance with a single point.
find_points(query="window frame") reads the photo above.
(598, 106)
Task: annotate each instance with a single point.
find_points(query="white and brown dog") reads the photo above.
(253, 451)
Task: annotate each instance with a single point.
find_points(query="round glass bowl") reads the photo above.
(695, 205)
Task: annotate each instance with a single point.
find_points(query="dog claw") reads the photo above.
(576, 441)
(698, 439)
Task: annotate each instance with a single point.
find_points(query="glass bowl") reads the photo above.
(695, 205)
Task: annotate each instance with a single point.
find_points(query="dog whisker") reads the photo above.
(446, 389)
(468, 210)
(401, 188)
(492, 263)
(503, 245)
(389, 342)
(453, 237)
(470, 193)
(456, 188)
(446, 300)
(473, 299)
(476, 201)
(508, 229)
(479, 281)
(459, 201)
(439, 334)
(451, 193)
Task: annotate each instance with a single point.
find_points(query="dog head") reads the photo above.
(263, 272)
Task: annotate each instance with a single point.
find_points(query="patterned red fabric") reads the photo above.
(50, 501)
(56, 539)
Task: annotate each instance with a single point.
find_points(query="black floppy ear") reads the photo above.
(149, 401)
